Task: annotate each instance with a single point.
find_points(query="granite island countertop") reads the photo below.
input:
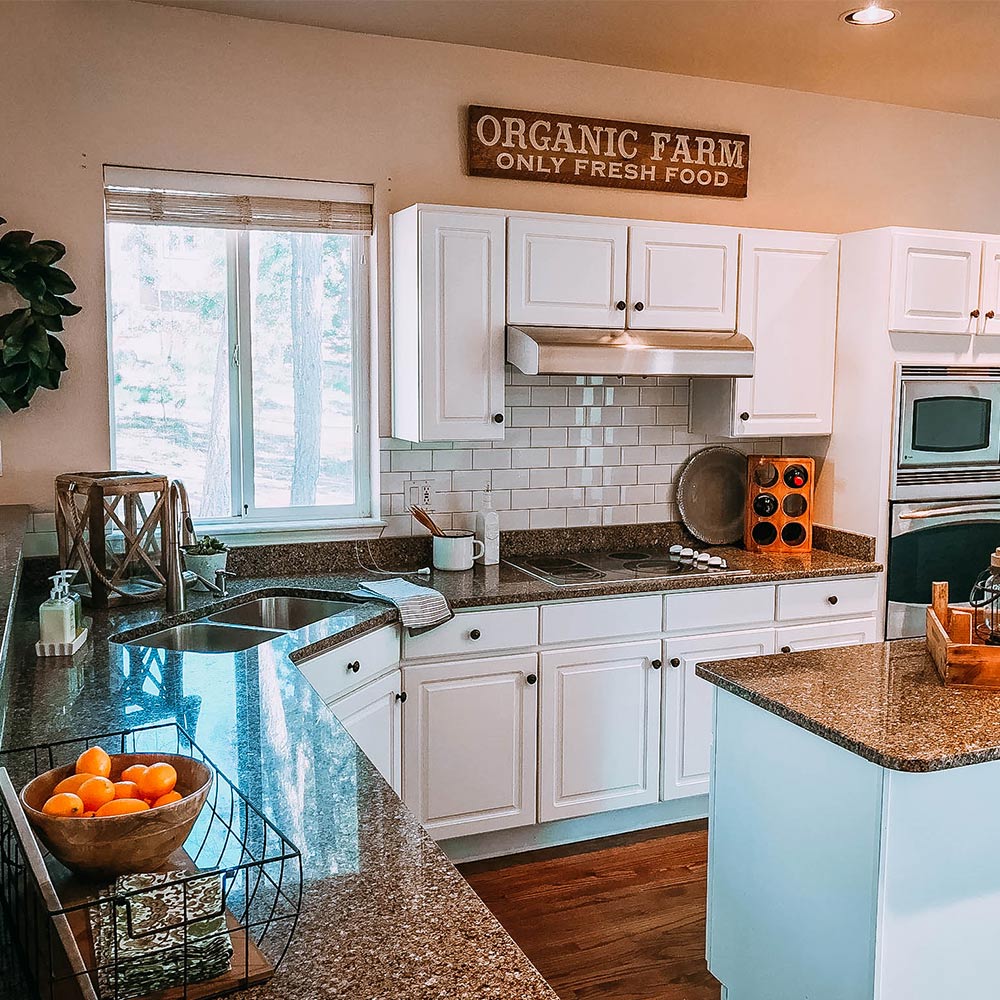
(385, 915)
(883, 702)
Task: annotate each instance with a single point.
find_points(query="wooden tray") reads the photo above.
(960, 657)
(73, 975)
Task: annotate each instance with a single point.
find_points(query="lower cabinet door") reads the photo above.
(470, 744)
(373, 716)
(687, 705)
(826, 635)
(599, 742)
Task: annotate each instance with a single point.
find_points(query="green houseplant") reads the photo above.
(31, 356)
(204, 557)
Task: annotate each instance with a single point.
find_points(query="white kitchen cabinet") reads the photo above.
(687, 705)
(566, 272)
(989, 297)
(448, 279)
(826, 635)
(470, 744)
(373, 715)
(682, 277)
(934, 285)
(600, 722)
(788, 309)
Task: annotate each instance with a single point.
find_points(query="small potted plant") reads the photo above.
(204, 558)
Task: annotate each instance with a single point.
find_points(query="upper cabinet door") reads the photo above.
(682, 277)
(788, 309)
(565, 273)
(989, 300)
(935, 284)
(460, 390)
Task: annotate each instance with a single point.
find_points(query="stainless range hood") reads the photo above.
(549, 350)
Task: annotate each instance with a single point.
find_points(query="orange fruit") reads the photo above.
(119, 807)
(72, 783)
(94, 761)
(89, 815)
(165, 800)
(63, 804)
(132, 773)
(95, 792)
(158, 780)
(127, 790)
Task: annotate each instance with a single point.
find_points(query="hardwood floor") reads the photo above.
(621, 918)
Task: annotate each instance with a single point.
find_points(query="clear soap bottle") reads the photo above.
(67, 576)
(488, 530)
(57, 615)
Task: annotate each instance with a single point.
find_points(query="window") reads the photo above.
(239, 341)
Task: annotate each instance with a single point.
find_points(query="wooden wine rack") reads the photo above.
(779, 507)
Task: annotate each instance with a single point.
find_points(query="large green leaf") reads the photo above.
(46, 251)
(67, 308)
(58, 282)
(57, 354)
(18, 239)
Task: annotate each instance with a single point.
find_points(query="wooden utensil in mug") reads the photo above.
(422, 517)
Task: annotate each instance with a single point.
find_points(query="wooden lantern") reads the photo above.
(91, 508)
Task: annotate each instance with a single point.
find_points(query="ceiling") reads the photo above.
(938, 54)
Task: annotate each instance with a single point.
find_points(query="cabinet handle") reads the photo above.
(475, 634)
(638, 307)
(974, 314)
(786, 649)
(354, 667)
(832, 599)
(656, 664)
(990, 314)
(498, 418)
(675, 662)
(620, 305)
(401, 697)
(531, 678)
(744, 415)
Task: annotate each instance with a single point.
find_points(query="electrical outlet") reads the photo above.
(421, 493)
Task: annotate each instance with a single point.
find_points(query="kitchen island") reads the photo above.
(854, 828)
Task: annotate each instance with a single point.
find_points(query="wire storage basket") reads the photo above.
(217, 918)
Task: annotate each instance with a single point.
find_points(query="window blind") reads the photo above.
(164, 206)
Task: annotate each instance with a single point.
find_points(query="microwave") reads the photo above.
(947, 440)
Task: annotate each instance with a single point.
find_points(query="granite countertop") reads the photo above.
(883, 702)
(385, 915)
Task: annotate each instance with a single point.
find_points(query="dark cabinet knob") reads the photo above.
(744, 415)
(974, 314)
(656, 664)
(401, 697)
(475, 634)
(638, 307)
(531, 678)
(498, 418)
(832, 599)
(675, 662)
(990, 314)
(620, 305)
(354, 667)
(786, 649)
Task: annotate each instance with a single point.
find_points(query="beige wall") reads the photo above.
(86, 84)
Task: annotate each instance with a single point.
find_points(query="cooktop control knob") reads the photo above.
(686, 554)
(675, 550)
(716, 562)
(702, 559)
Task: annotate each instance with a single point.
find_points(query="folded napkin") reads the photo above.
(420, 608)
(139, 947)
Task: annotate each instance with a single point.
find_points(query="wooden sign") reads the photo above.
(564, 149)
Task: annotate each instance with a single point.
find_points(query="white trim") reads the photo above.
(238, 184)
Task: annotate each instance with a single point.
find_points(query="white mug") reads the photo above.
(456, 549)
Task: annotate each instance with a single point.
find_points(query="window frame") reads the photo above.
(278, 523)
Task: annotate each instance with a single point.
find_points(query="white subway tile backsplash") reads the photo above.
(577, 451)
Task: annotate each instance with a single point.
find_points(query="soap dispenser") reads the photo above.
(67, 576)
(57, 615)
(488, 530)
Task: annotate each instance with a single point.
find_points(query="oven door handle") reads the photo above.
(927, 512)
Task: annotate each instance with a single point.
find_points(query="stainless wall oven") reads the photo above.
(935, 541)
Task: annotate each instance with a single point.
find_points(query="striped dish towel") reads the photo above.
(420, 608)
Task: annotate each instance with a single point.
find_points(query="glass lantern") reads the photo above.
(985, 599)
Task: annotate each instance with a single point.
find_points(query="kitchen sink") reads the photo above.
(204, 637)
(284, 613)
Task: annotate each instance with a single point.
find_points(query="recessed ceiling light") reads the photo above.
(874, 13)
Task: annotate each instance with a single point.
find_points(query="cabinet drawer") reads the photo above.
(826, 635)
(827, 599)
(582, 621)
(474, 632)
(708, 610)
(332, 672)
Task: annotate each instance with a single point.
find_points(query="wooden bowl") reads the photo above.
(104, 847)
